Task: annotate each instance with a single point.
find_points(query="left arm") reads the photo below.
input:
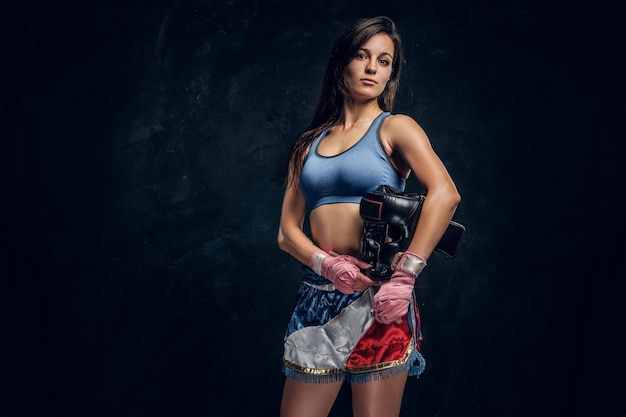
(410, 150)
(409, 143)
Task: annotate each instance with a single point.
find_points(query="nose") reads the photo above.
(371, 66)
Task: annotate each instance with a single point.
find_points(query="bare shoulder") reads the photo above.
(399, 128)
(400, 119)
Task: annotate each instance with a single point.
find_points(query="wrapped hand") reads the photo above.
(344, 271)
(392, 301)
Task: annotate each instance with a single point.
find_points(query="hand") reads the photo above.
(344, 271)
(392, 301)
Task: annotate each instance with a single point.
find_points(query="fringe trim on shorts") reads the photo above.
(414, 365)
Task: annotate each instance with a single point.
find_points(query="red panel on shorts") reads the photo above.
(381, 343)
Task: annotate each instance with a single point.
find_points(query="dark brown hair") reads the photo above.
(331, 99)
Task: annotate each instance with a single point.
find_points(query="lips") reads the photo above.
(368, 81)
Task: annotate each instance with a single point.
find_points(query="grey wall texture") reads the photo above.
(142, 163)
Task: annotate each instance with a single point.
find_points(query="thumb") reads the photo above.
(362, 264)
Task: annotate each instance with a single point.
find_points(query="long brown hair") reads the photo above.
(331, 99)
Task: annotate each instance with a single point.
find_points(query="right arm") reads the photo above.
(291, 236)
(344, 271)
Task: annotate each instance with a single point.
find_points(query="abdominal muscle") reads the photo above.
(337, 227)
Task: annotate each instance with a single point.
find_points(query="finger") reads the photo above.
(396, 259)
(359, 285)
(364, 278)
(362, 264)
(382, 312)
(378, 318)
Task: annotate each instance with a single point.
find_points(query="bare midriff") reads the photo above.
(337, 227)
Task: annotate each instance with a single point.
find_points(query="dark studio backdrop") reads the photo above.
(142, 159)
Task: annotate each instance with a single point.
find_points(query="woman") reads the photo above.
(345, 326)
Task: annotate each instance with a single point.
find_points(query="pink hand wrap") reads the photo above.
(391, 302)
(341, 270)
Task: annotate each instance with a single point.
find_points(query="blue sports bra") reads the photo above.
(345, 177)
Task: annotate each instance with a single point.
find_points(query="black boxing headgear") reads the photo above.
(389, 219)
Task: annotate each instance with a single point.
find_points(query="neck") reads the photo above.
(354, 113)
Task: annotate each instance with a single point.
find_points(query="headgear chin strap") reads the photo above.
(390, 217)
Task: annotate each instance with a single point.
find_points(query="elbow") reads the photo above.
(455, 198)
(448, 198)
(282, 240)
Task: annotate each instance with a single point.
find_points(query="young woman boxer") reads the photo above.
(345, 326)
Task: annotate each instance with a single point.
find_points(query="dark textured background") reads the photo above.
(142, 158)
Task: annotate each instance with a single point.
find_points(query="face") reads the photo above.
(366, 75)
